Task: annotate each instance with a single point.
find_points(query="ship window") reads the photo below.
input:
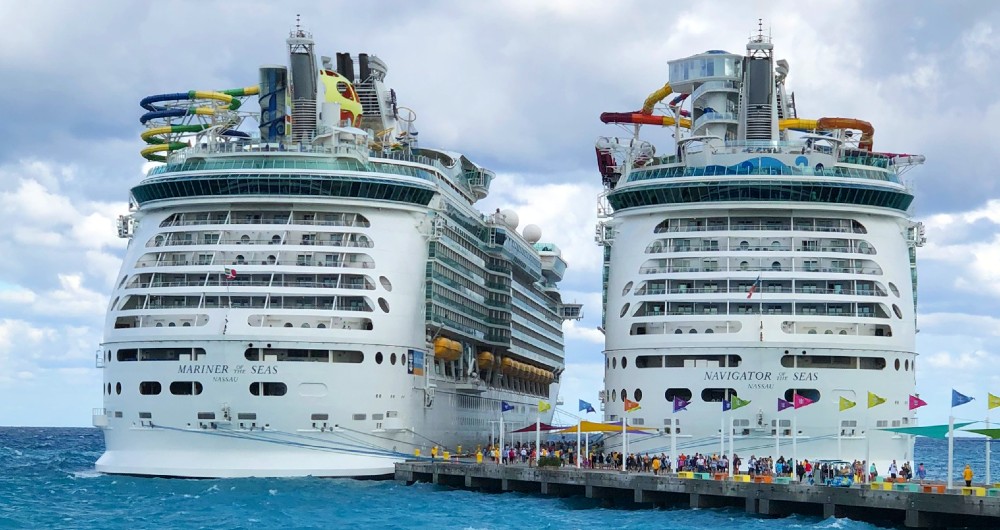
(788, 361)
(744, 265)
(624, 310)
(744, 245)
(246, 416)
(305, 325)
(906, 365)
(245, 239)
(288, 324)
(268, 389)
(320, 417)
(873, 363)
(130, 354)
(386, 284)
(378, 357)
(392, 358)
(683, 393)
(649, 361)
(206, 415)
(638, 395)
(809, 393)
(118, 388)
(896, 364)
(897, 311)
(895, 291)
(109, 389)
(146, 388)
(275, 240)
(402, 359)
(383, 304)
(624, 395)
(717, 395)
(627, 288)
(624, 362)
(614, 362)
(185, 388)
(776, 265)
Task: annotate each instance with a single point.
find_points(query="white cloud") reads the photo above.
(574, 331)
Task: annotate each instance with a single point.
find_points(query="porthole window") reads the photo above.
(614, 396)
(271, 259)
(614, 362)
(895, 291)
(378, 357)
(392, 358)
(843, 332)
(692, 331)
(386, 284)
(812, 332)
(744, 265)
(624, 395)
(775, 265)
(159, 324)
(607, 363)
(624, 310)
(245, 239)
(896, 364)
(288, 324)
(627, 288)
(709, 330)
(321, 326)
(118, 388)
(240, 259)
(638, 395)
(109, 389)
(305, 324)
(828, 332)
(382, 303)
(744, 245)
(906, 365)
(402, 359)
(172, 325)
(678, 331)
(186, 325)
(897, 311)
(672, 393)
(624, 362)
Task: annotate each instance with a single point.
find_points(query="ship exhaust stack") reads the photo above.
(303, 83)
(273, 94)
(364, 71)
(758, 113)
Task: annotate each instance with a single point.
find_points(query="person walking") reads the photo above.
(967, 475)
(921, 473)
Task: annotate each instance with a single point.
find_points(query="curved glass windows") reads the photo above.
(759, 190)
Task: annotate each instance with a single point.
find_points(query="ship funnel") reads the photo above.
(303, 85)
(364, 71)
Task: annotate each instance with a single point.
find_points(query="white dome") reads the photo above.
(509, 218)
(532, 233)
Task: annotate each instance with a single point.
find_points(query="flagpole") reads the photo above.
(673, 444)
(795, 440)
(722, 435)
(732, 446)
(988, 439)
(500, 451)
(624, 439)
(578, 443)
(586, 439)
(777, 441)
(868, 442)
(538, 437)
(951, 449)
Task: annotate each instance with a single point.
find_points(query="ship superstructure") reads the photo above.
(762, 256)
(317, 295)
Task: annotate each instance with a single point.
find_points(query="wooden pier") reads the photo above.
(893, 503)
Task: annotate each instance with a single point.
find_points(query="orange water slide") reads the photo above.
(824, 124)
(643, 119)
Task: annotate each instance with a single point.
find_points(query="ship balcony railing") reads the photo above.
(710, 117)
(761, 226)
(764, 290)
(734, 226)
(873, 161)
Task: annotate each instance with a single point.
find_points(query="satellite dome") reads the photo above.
(531, 233)
(509, 218)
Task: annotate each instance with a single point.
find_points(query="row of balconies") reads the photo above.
(266, 217)
(782, 224)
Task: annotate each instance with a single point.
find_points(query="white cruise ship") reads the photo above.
(761, 256)
(317, 295)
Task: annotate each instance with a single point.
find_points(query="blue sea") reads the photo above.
(47, 480)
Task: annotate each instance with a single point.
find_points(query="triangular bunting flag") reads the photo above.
(874, 400)
(680, 404)
(846, 404)
(230, 274)
(504, 406)
(800, 401)
(957, 398)
(994, 402)
(737, 402)
(916, 403)
(726, 405)
(543, 406)
(782, 405)
(586, 406)
(631, 405)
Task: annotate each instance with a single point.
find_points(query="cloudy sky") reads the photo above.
(517, 86)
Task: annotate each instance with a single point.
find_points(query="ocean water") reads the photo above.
(47, 480)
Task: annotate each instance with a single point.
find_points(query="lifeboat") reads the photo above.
(507, 366)
(447, 349)
(485, 359)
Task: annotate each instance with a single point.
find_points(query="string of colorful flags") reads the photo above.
(798, 401)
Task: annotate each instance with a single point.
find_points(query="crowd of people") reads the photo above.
(816, 472)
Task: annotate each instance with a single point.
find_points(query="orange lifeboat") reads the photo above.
(485, 359)
(507, 366)
(447, 349)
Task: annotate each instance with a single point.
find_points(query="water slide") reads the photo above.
(202, 101)
(825, 124)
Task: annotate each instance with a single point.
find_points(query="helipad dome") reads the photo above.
(532, 233)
